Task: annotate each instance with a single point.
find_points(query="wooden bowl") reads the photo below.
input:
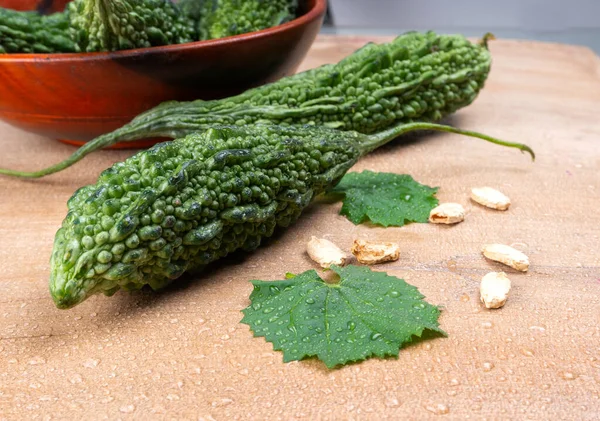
(77, 97)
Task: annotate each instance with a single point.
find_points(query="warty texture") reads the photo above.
(184, 204)
(223, 18)
(111, 25)
(417, 77)
(30, 32)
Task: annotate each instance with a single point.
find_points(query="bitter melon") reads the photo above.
(223, 18)
(416, 77)
(111, 25)
(184, 204)
(30, 32)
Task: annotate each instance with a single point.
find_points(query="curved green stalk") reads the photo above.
(486, 38)
(77, 156)
(379, 139)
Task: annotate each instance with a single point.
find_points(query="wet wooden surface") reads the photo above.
(182, 354)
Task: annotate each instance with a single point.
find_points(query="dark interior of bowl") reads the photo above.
(48, 6)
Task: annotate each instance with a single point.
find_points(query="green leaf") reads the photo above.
(366, 314)
(385, 198)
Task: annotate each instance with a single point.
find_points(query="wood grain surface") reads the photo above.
(182, 353)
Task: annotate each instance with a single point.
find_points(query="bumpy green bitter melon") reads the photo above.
(184, 204)
(110, 25)
(30, 32)
(223, 18)
(416, 77)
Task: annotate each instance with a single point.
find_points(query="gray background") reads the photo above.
(573, 21)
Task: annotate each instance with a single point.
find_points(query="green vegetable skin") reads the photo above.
(223, 18)
(416, 77)
(111, 25)
(184, 204)
(29, 32)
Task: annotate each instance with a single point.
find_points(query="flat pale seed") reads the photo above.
(325, 253)
(490, 198)
(447, 213)
(494, 289)
(507, 255)
(373, 252)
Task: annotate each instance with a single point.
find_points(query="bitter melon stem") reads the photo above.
(487, 37)
(374, 141)
(77, 156)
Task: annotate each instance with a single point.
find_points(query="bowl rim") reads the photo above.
(317, 11)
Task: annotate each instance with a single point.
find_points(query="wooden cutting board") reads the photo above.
(182, 354)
